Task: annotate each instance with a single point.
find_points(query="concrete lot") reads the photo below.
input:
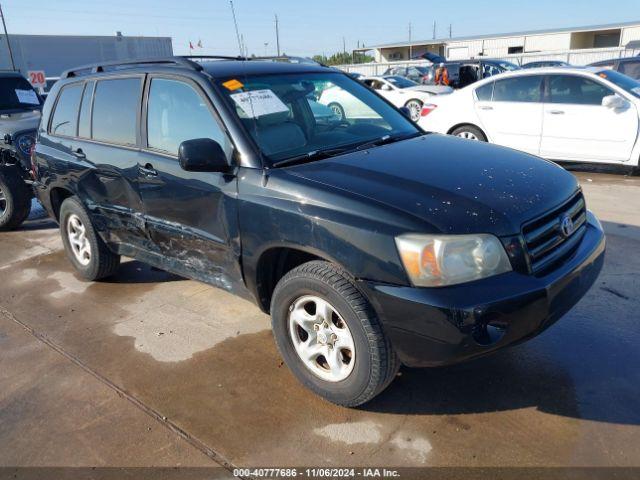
(151, 369)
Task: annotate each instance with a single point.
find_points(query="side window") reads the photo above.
(630, 69)
(84, 121)
(115, 110)
(518, 89)
(485, 92)
(176, 113)
(65, 117)
(576, 90)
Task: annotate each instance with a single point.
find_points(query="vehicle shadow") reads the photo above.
(586, 366)
(44, 223)
(135, 272)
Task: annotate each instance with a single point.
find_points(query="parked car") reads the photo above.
(356, 75)
(420, 75)
(568, 114)
(19, 118)
(546, 63)
(370, 243)
(400, 91)
(627, 66)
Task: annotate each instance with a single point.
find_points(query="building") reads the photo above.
(56, 53)
(552, 43)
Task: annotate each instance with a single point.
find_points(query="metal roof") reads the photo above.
(437, 41)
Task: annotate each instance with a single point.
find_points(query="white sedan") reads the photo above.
(400, 91)
(565, 114)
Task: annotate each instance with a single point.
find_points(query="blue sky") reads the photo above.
(306, 27)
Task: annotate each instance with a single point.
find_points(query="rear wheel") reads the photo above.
(329, 335)
(415, 109)
(15, 199)
(88, 253)
(470, 132)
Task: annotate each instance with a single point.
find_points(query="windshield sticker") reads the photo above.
(232, 85)
(27, 96)
(258, 103)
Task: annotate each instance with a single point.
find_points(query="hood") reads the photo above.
(434, 89)
(19, 121)
(454, 185)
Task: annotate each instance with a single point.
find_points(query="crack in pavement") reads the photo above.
(192, 440)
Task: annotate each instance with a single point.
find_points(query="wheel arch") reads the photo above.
(467, 124)
(57, 196)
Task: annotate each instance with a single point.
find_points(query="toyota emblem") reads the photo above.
(566, 225)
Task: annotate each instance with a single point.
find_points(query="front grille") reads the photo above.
(547, 246)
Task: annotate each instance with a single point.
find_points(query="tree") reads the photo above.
(342, 58)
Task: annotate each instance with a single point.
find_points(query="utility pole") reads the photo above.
(450, 31)
(235, 23)
(344, 45)
(434, 29)
(410, 46)
(6, 35)
(277, 37)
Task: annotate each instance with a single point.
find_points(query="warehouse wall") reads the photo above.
(630, 34)
(54, 54)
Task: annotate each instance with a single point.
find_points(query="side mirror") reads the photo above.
(386, 88)
(202, 155)
(614, 102)
(406, 112)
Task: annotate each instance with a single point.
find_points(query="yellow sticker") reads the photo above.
(232, 85)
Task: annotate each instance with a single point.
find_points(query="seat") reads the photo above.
(276, 133)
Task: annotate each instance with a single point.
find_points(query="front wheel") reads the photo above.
(329, 336)
(470, 132)
(338, 111)
(415, 109)
(15, 199)
(88, 253)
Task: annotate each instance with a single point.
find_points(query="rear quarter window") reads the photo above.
(65, 117)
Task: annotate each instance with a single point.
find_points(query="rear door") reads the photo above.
(191, 216)
(577, 126)
(94, 132)
(513, 116)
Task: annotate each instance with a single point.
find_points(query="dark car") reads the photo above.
(423, 75)
(20, 107)
(546, 63)
(627, 66)
(369, 242)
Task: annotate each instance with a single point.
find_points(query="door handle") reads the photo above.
(148, 170)
(556, 112)
(486, 107)
(79, 153)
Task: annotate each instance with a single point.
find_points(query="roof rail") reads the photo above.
(213, 57)
(286, 58)
(102, 66)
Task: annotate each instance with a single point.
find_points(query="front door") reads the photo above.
(578, 127)
(513, 116)
(191, 216)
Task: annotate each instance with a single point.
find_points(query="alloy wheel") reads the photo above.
(321, 338)
(415, 108)
(77, 235)
(467, 135)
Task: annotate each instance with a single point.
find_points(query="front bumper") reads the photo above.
(440, 326)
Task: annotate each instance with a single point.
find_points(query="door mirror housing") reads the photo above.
(202, 155)
(406, 112)
(615, 102)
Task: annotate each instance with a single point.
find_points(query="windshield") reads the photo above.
(626, 83)
(508, 66)
(17, 94)
(304, 113)
(400, 82)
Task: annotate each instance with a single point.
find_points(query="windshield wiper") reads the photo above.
(310, 156)
(386, 139)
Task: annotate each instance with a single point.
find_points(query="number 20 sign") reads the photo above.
(37, 78)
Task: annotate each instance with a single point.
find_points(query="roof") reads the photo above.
(229, 68)
(442, 40)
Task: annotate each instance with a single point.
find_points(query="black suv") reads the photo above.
(20, 107)
(369, 242)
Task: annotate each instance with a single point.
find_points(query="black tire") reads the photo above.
(376, 364)
(15, 199)
(472, 130)
(103, 262)
(338, 110)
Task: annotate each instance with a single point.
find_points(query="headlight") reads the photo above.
(439, 260)
(24, 144)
